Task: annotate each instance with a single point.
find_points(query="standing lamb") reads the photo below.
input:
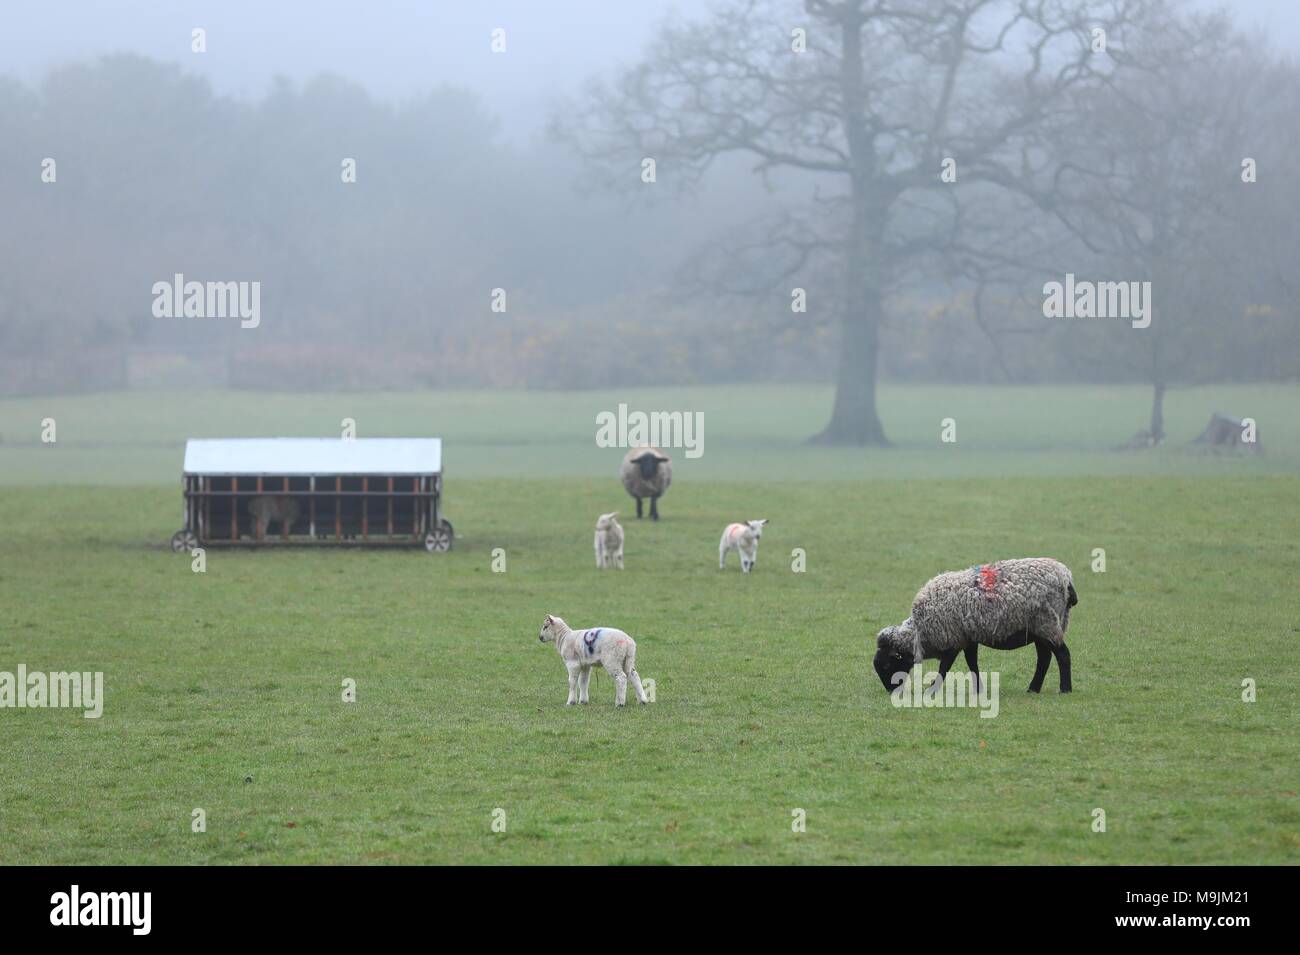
(582, 649)
(1004, 606)
(647, 472)
(609, 541)
(743, 539)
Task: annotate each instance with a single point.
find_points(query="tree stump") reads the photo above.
(1225, 431)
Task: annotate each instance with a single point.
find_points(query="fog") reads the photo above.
(379, 198)
(400, 48)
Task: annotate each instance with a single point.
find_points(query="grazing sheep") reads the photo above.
(609, 541)
(743, 539)
(270, 508)
(647, 472)
(1004, 606)
(582, 649)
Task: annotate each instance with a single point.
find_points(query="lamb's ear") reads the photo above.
(663, 457)
(882, 638)
(550, 619)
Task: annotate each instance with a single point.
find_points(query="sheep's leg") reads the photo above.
(722, 556)
(636, 686)
(1062, 653)
(584, 677)
(1044, 661)
(573, 682)
(638, 508)
(618, 559)
(945, 664)
(654, 507)
(620, 684)
(973, 664)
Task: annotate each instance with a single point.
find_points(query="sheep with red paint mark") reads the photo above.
(583, 649)
(1004, 605)
(743, 539)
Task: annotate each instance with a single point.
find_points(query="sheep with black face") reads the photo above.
(1005, 605)
(647, 472)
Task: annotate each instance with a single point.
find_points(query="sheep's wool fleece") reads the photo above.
(994, 604)
(638, 486)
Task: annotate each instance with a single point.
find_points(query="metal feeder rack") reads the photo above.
(348, 491)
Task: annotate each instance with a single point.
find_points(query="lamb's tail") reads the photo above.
(1071, 597)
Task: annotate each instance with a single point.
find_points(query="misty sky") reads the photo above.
(394, 48)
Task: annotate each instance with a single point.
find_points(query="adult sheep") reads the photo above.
(647, 472)
(1005, 605)
(271, 507)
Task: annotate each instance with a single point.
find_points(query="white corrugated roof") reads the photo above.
(313, 456)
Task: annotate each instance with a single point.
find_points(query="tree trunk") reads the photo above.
(854, 419)
(1157, 428)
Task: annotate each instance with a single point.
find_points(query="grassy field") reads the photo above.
(751, 432)
(765, 698)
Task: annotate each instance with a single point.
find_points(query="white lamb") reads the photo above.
(609, 542)
(742, 538)
(582, 649)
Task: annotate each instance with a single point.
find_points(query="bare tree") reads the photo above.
(1152, 186)
(885, 92)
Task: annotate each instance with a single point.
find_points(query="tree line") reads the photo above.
(841, 190)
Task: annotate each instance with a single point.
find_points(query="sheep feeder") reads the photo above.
(371, 491)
